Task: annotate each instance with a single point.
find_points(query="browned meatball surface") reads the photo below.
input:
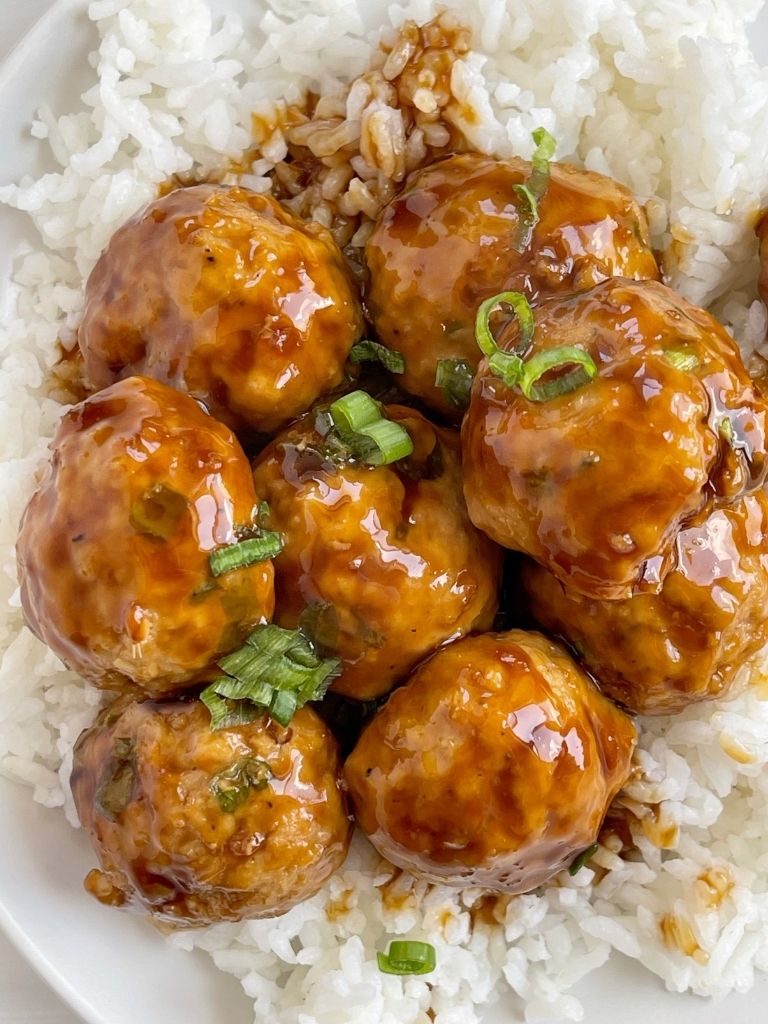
(113, 547)
(381, 563)
(445, 244)
(197, 826)
(658, 653)
(222, 293)
(595, 483)
(762, 234)
(494, 766)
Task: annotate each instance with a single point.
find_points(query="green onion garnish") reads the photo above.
(157, 512)
(726, 432)
(543, 363)
(277, 670)
(507, 365)
(117, 780)
(245, 552)
(582, 859)
(534, 189)
(681, 358)
(366, 434)
(353, 411)
(372, 351)
(454, 377)
(408, 958)
(228, 714)
(232, 785)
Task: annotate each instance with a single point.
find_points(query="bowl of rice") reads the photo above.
(101, 105)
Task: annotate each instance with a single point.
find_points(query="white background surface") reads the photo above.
(24, 998)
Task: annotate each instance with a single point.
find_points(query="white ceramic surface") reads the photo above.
(111, 968)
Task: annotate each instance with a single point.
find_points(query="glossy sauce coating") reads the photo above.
(762, 234)
(225, 294)
(494, 766)
(382, 563)
(114, 545)
(658, 653)
(594, 484)
(142, 782)
(445, 244)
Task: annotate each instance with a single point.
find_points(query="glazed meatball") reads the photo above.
(382, 564)
(595, 483)
(494, 766)
(197, 826)
(446, 243)
(113, 550)
(658, 653)
(222, 293)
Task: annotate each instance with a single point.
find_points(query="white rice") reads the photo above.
(629, 88)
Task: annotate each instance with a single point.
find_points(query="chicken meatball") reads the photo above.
(446, 243)
(595, 482)
(222, 293)
(494, 766)
(380, 563)
(197, 826)
(114, 547)
(658, 653)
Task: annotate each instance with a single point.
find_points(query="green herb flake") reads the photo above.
(373, 351)
(454, 377)
(233, 785)
(245, 552)
(158, 511)
(582, 859)
(117, 780)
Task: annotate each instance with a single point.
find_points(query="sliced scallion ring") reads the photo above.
(543, 363)
(408, 958)
(507, 365)
(533, 190)
(353, 411)
(368, 435)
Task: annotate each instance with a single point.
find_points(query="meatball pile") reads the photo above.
(265, 555)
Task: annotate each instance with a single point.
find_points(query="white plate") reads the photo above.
(112, 968)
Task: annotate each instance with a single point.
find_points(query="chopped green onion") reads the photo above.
(454, 377)
(372, 351)
(531, 384)
(277, 670)
(245, 552)
(232, 785)
(507, 365)
(226, 713)
(353, 411)
(365, 433)
(582, 859)
(681, 358)
(534, 189)
(408, 958)
(157, 512)
(117, 780)
(386, 442)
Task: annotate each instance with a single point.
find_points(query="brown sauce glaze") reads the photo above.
(381, 564)
(595, 483)
(222, 293)
(113, 547)
(493, 766)
(170, 848)
(445, 244)
(658, 653)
